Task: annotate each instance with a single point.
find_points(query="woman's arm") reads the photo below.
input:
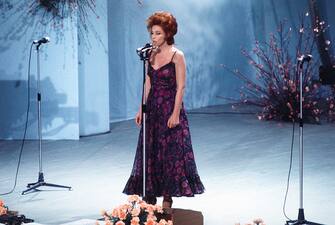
(147, 86)
(179, 61)
(147, 89)
(138, 117)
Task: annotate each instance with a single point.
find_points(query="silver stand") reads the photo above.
(144, 54)
(301, 216)
(40, 182)
(144, 113)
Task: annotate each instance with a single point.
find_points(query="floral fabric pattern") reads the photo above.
(170, 162)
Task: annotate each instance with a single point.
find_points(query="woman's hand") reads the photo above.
(138, 118)
(173, 121)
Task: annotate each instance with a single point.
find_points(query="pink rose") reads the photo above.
(125, 206)
(150, 222)
(162, 222)
(119, 223)
(3, 211)
(135, 212)
(143, 205)
(150, 208)
(135, 221)
(108, 222)
(133, 198)
(122, 214)
(115, 212)
(151, 216)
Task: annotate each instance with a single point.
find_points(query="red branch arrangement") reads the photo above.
(44, 16)
(275, 90)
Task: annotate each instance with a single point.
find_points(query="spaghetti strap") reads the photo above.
(173, 55)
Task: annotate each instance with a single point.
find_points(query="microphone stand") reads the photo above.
(144, 56)
(301, 215)
(40, 182)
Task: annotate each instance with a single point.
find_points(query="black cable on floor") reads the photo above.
(25, 128)
(289, 173)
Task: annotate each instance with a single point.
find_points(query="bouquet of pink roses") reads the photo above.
(135, 212)
(3, 208)
(257, 221)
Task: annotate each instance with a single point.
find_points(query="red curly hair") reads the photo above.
(166, 21)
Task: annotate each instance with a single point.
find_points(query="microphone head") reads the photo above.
(148, 45)
(306, 57)
(45, 40)
(145, 48)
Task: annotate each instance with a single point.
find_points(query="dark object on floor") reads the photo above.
(12, 218)
(150, 199)
(183, 216)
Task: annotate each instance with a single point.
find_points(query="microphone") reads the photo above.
(43, 40)
(306, 58)
(146, 48)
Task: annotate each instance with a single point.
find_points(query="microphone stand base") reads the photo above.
(33, 186)
(301, 220)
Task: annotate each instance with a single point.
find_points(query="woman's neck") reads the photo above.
(165, 47)
(161, 51)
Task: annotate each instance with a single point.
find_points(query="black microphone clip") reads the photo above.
(43, 40)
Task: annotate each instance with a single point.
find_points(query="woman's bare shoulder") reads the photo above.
(179, 55)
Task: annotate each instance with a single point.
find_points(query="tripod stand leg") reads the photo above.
(302, 222)
(41, 182)
(58, 186)
(32, 187)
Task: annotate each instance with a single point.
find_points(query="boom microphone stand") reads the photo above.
(40, 182)
(301, 216)
(144, 54)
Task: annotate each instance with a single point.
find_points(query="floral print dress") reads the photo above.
(170, 164)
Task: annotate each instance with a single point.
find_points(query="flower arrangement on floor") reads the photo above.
(257, 221)
(135, 212)
(275, 90)
(3, 208)
(11, 217)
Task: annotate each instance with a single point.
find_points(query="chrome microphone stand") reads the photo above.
(40, 182)
(301, 215)
(144, 54)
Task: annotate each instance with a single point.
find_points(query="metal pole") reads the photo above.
(144, 128)
(301, 150)
(39, 98)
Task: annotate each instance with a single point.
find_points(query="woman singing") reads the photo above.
(170, 165)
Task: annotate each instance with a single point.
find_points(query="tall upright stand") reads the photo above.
(144, 54)
(301, 215)
(40, 182)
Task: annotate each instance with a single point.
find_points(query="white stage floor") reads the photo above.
(242, 162)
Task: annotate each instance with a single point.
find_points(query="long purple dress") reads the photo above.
(171, 168)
